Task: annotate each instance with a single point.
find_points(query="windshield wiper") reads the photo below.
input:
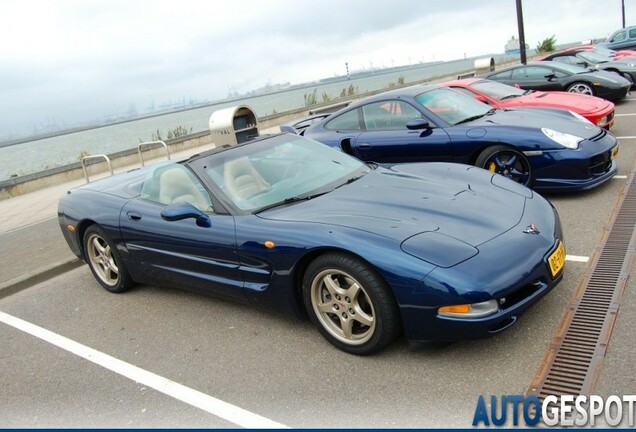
(475, 117)
(288, 201)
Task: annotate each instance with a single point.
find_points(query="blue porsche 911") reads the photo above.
(547, 149)
(365, 251)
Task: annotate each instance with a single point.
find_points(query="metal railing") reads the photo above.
(100, 156)
(149, 143)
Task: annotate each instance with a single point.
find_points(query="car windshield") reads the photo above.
(280, 170)
(604, 51)
(592, 57)
(497, 90)
(452, 106)
(569, 68)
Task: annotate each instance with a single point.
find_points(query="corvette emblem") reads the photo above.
(532, 229)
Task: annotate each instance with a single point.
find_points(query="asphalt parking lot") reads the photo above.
(169, 358)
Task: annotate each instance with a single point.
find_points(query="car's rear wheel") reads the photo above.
(582, 88)
(350, 304)
(105, 262)
(508, 162)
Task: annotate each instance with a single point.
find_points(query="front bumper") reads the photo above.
(591, 165)
(433, 327)
(613, 94)
(500, 271)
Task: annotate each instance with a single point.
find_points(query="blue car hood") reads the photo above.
(400, 201)
(538, 118)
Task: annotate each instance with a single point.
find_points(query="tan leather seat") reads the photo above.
(175, 186)
(242, 180)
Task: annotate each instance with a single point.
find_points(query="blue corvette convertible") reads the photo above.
(366, 251)
(547, 149)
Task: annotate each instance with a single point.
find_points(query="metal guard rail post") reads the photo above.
(165, 146)
(100, 156)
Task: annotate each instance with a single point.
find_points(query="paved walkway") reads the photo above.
(32, 248)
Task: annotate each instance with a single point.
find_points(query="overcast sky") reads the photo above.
(70, 61)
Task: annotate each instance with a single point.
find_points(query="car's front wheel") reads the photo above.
(508, 162)
(582, 88)
(350, 304)
(104, 261)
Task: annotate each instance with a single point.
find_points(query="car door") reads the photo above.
(203, 258)
(386, 139)
(536, 78)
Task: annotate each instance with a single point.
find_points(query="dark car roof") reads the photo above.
(410, 91)
(548, 63)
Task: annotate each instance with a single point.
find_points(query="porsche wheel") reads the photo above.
(508, 162)
(582, 88)
(104, 261)
(350, 304)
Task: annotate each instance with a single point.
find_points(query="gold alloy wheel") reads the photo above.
(101, 260)
(343, 307)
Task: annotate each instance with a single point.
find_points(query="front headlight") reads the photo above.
(580, 117)
(565, 139)
(472, 310)
(600, 122)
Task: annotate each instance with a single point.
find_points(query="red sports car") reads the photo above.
(498, 95)
(615, 54)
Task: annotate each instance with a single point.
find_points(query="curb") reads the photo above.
(23, 282)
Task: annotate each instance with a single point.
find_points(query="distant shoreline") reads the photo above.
(76, 129)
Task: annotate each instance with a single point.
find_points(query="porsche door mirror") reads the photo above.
(418, 124)
(182, 211)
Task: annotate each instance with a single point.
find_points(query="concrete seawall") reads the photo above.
(269, 124)
(62, 174)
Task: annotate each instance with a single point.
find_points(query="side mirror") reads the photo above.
(418, 124)
(182, 211)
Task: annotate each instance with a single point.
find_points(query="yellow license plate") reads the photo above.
(556, 261)
(614, 152)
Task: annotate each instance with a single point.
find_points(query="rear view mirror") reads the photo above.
(182, 211)
(418, 124)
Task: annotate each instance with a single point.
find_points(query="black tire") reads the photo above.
(350, 304)
(508, 162)
(581, 88)
(105, 262)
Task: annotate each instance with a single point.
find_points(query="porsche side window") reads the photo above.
(501, 75)
(172, 184)
(518, 73)
(566, 59)
(620, 36)
(537, 72)
(465, 91)
(632, 33)
(345, 121)
(388, 115)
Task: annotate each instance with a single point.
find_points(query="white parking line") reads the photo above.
(620, 177)
(577, 258)
(626, 137)
(624, 115)
(214, 406)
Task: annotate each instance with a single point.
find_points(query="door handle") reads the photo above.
(133, 216)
